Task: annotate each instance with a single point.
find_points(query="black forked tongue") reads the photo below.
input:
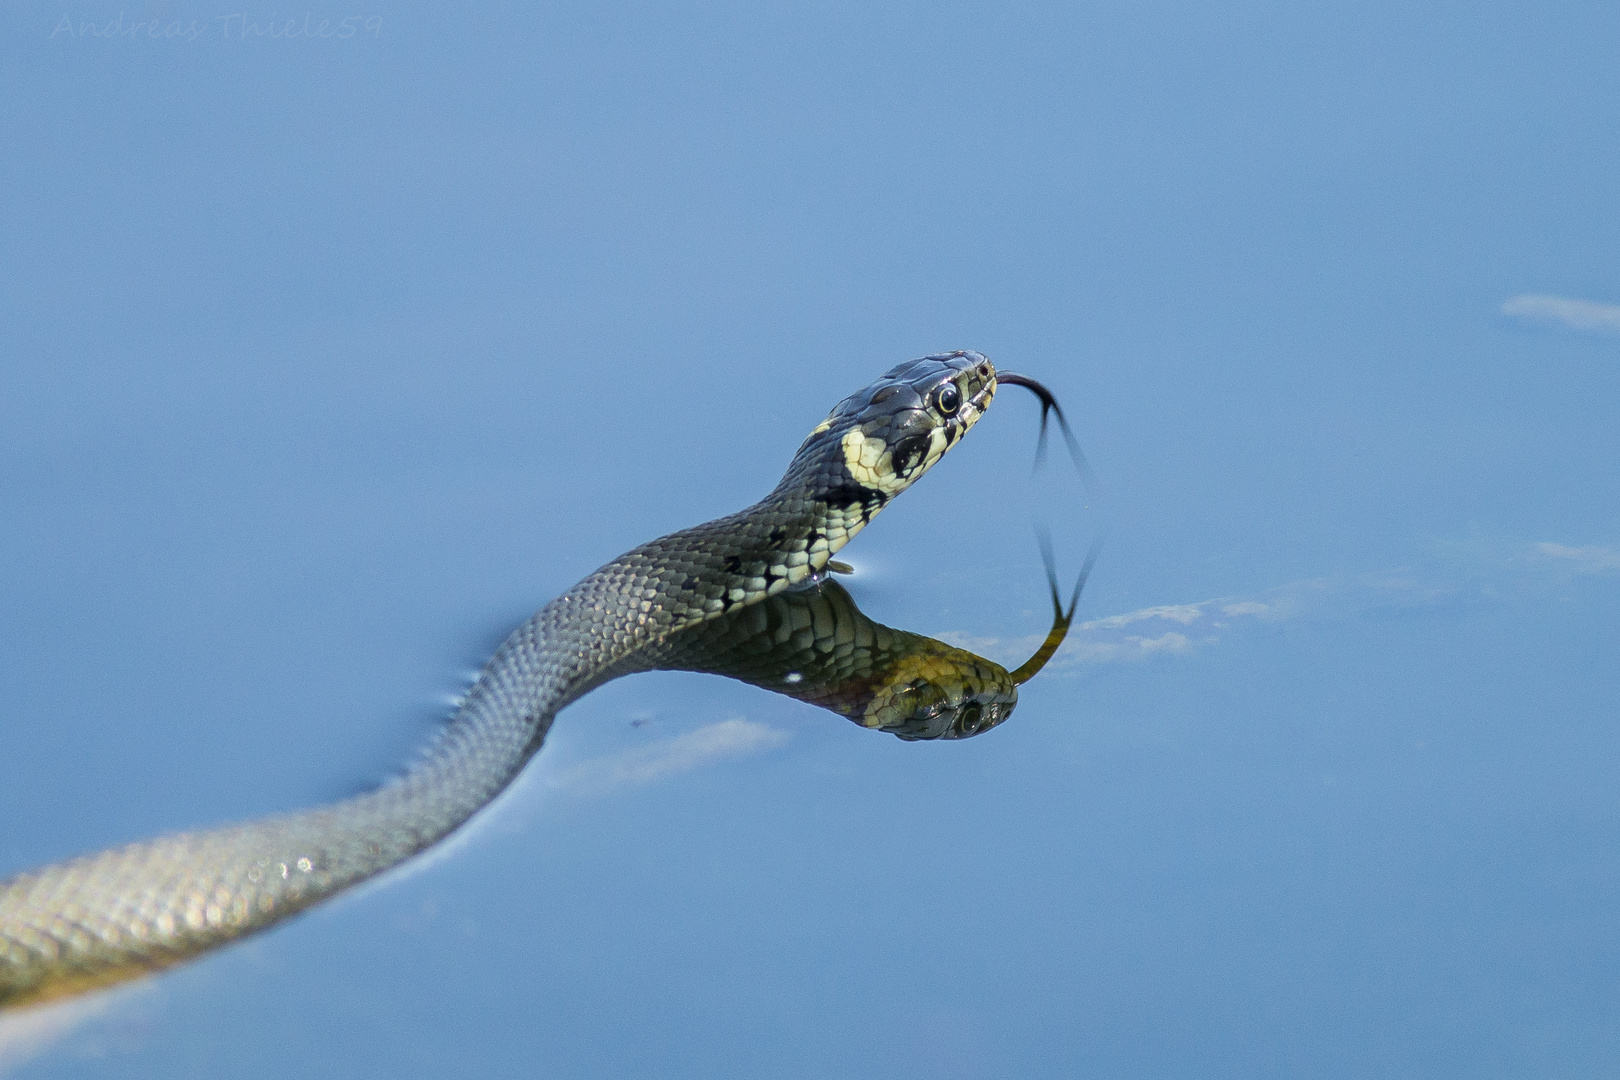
(1060, 618)
(1049, 405)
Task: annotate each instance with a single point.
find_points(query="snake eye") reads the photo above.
(948, 399)
(968, 722)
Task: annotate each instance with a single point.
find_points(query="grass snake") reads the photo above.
(117, 914)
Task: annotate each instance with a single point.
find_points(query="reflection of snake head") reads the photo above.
(941, 693)
(890, 432)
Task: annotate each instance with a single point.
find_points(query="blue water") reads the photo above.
(329, 360)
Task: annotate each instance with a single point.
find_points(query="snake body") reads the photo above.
(117, 914)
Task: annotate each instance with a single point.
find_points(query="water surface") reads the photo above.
(329, 361)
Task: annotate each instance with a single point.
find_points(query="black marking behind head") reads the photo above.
(849, 495)
(907, 453)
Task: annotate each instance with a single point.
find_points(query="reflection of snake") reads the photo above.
(814, 644)
(107, 917)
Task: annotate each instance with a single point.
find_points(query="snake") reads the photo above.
(107, 917)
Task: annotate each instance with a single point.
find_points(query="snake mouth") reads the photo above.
(978, 400)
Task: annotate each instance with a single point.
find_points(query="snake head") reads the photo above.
(932, 690)
(942, 709)
(888, 433)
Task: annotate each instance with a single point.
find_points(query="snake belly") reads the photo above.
(114, 915)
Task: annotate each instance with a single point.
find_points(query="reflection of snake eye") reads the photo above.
(948, 399)
(968, 722)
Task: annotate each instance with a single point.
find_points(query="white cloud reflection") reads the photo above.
(1592, 559)
(647, 764)
(27, 1033)
(1467, 573)
(1564, 311)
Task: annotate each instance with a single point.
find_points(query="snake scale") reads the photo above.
(114, 915)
